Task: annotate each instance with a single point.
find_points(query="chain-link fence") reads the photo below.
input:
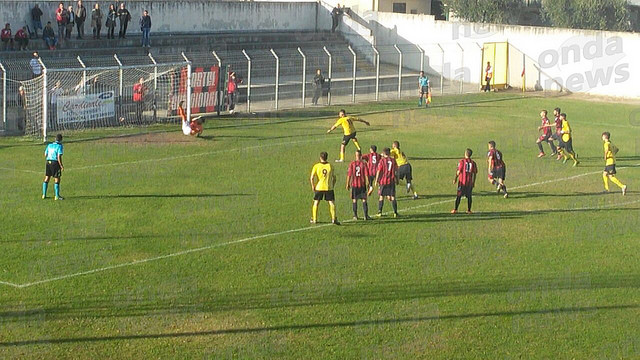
(82, 93)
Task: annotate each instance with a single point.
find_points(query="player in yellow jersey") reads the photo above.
(567, 141)
(349, 131)
(609, 173)
(323, 188)
(404, 168)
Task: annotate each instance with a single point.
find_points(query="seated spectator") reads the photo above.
(49, 36)
(7, 39)
(22, 39)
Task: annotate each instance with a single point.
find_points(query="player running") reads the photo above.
(323, 189)
(358, 182)
(497, 168)
(609, 173)
(349, 131)
(567, 141)
(404, 168)
(546, 135)
(466, 179)
(372, 159)
(387, 180)
(424, 88)
(54, 167)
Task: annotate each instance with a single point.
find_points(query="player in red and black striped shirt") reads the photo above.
(546, 134)
(466, 179)
(497, 168)
(358, 182)
(372, 159)
(387, 180)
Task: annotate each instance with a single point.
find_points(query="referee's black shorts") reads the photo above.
(53, 169)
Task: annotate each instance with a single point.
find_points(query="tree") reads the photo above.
(610, 15)
(488, 11)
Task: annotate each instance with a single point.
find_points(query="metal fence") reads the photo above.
(82, 93)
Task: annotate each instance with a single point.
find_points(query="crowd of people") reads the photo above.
(69, 19)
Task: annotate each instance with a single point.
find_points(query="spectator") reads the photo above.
(232, 92)
(36, 68)
(36, 15)
(61, 17)
(145, 26)
(488, 75)
(111, 21)
(6, 37)
(81, 16)
(96, 21)
(71, 19)
(49, 37)
(125, 17)
(336, 13)
(318, 82)
(22, 39)
(138, 98)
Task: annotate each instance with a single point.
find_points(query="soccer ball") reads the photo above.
(122, 119)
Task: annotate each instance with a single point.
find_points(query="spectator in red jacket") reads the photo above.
(22, 39)
(61, 18)
(138, 97)
(232, 92)
(7, 39)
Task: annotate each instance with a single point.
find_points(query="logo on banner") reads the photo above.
(83, 108)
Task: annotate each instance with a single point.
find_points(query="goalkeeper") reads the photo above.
(193, 127)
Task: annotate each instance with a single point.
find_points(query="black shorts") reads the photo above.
(556, 137)
(405, 171)
(498, 173)
(388, 190)
(424, 90)
(53, 169)
(346, 138)
(568, 145)
(324, 195)
(372, 179)
(545, 137)
(359, 193)
(465, 190)
(610, 169)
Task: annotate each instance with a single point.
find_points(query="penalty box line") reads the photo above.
(290, 231)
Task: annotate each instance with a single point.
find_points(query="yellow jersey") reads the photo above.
(324, 173)
(400, 157)
(566, 131)
(347, 125)
(610, 153)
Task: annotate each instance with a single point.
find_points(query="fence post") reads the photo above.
(188, 85)
(461, 67)
(421, 57)
(353, 77)
(277, 75)
(441, 70)
(304, 78)
(218, 91)
(377, 72)
(330, 75)
(4, 96)
(120, 84)
(399, 71)
(84, 76)
(155, 88)
(248, 80)
(44, 100)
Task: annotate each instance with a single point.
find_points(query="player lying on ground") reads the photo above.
(546, 136)
(386, 179)
(609, 173)
(349, 131)
(372, 159)
(54, 167)
(358, 182)
(404, 168)
(323, 188)
(497, 168)
(193, 127)
(466, 179)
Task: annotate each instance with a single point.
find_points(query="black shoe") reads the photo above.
(335, 222)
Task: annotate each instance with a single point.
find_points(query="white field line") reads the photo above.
(10, 284)
(21, 170)
(233, 242)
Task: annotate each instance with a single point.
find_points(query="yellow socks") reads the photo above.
(332, 210)
(356, 144)
(617, 182)
(314, 212)
(605, 178)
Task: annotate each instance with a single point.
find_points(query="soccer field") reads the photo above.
(169, 246)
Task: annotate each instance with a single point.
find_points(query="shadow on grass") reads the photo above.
(164, 196)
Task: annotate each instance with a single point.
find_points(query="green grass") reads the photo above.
(552, 272)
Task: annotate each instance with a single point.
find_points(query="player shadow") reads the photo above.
(358, 323)
(137, 196)
(433, 158)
